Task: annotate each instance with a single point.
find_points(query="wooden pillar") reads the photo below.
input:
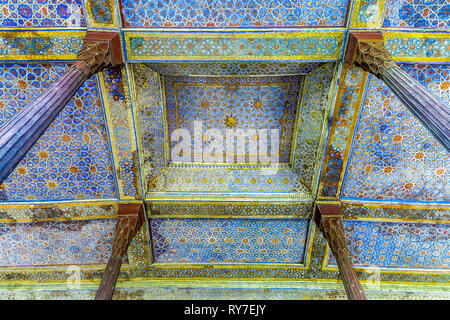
(130, 218)
(20, 133)
(367, 51)
(328, 218)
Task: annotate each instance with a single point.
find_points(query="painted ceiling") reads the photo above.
(243, 228)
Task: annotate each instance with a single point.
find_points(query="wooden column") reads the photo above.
(130, 218)
(367, 51)
(20, 133)
(328, 218)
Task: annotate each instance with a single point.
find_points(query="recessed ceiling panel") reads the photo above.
(234, 103)
(167, 105)
(234, 68)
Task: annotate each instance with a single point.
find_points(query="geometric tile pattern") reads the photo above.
(120, 125)
(101, 13)
(42, 13)
(233, 68)
(228, 240)
(71, 160)
(234, 13)
(340, 137)
(398, 244)
(394, 157)
(367, 13)
(40, 45)
(434, 14)
(230, 210)
(35, 212)
(406, 46)
(150, 112)
(212, 181)
(251, 102)
(79, 242)
(398, 212)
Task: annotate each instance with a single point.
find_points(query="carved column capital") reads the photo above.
(100, 50)
(367, 51)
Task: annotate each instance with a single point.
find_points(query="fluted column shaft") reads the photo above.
(367, 51)
(329, 221)
(431, 111)
(129, 220)
(21, 132)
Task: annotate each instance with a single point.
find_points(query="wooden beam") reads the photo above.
(20, 133)
(328, 218)
(130, 218)
(367, 51)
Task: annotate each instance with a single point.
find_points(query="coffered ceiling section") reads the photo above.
(231, 137)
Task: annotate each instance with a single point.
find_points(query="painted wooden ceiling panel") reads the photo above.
(234, 68)
(429, 14)
(229, 240)
(162, 107)
(234, 103)
(235, 13)
(402, 245)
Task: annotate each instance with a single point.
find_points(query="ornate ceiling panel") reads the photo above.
(42, 13)
(235, 13)
(228, 240)
(157, 290)
(160, 102)
(237, 103)
(112, 140)
(72, 160)
(245, 209)
(51, 243)
(403, 245)
(430, 14)
(393, 156)
(294, 45)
